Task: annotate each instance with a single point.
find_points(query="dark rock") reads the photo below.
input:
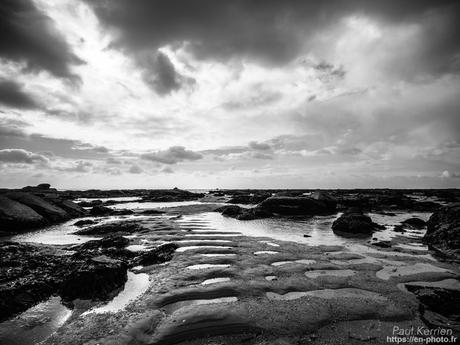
(296, 206)
(100, 210)
(111, 241)
(230, 211)
(443, 231)
(91, 203)
(16, 216)
(45, 209)
(354, 223)
(439, 307)
(72, 208)
(414, 223)
(94, 270)
(111, 228)
(95, 280)
(399, 228)
(329, 201)
(122, 212)
(41, 188)
(241, 213)
(158, 255)
(84, 222)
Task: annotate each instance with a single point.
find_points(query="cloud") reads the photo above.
(114, 161)
(21, 156)
(79, 166)
(173, 155)
(259, 146)
(160, 73)
(12, 95)
(260, 155)
(167, 170)
(448, 174)
(135, 169)
(29, 36)
(271, 31)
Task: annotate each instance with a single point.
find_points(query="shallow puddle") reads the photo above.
(204, 266)
(183, 249)
(327, 294)
(388, 272)
(217, 254)
(35, 324)
(215, 280)
(302, 261)
(269, 252)
(135, 286)
(137, 248)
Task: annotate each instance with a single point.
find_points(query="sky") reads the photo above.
(230, 94)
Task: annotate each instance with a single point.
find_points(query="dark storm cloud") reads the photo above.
(160, 74)
(27, 35)
(173, 155)
(12, 95)
(272, 31)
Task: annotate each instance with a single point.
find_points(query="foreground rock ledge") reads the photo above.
(443, 231)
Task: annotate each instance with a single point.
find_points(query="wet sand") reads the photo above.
(230, 286)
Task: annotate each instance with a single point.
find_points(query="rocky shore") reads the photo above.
(210, 285)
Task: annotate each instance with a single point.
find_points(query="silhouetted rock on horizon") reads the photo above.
(354, 222)
(443, 231)
(15, 216)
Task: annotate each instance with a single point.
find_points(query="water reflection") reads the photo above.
(35, 324)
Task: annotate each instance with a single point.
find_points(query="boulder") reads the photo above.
(354, 223)
(111, 228)
(47, 210)
(241, 213)
(296, 206)
(414, 223)
(16, 216)
(439, 307)
(91, 203)
(71, 208)
(158, 255)
(84, 222)
(443, 231)
(95, 279)
(100, 210)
